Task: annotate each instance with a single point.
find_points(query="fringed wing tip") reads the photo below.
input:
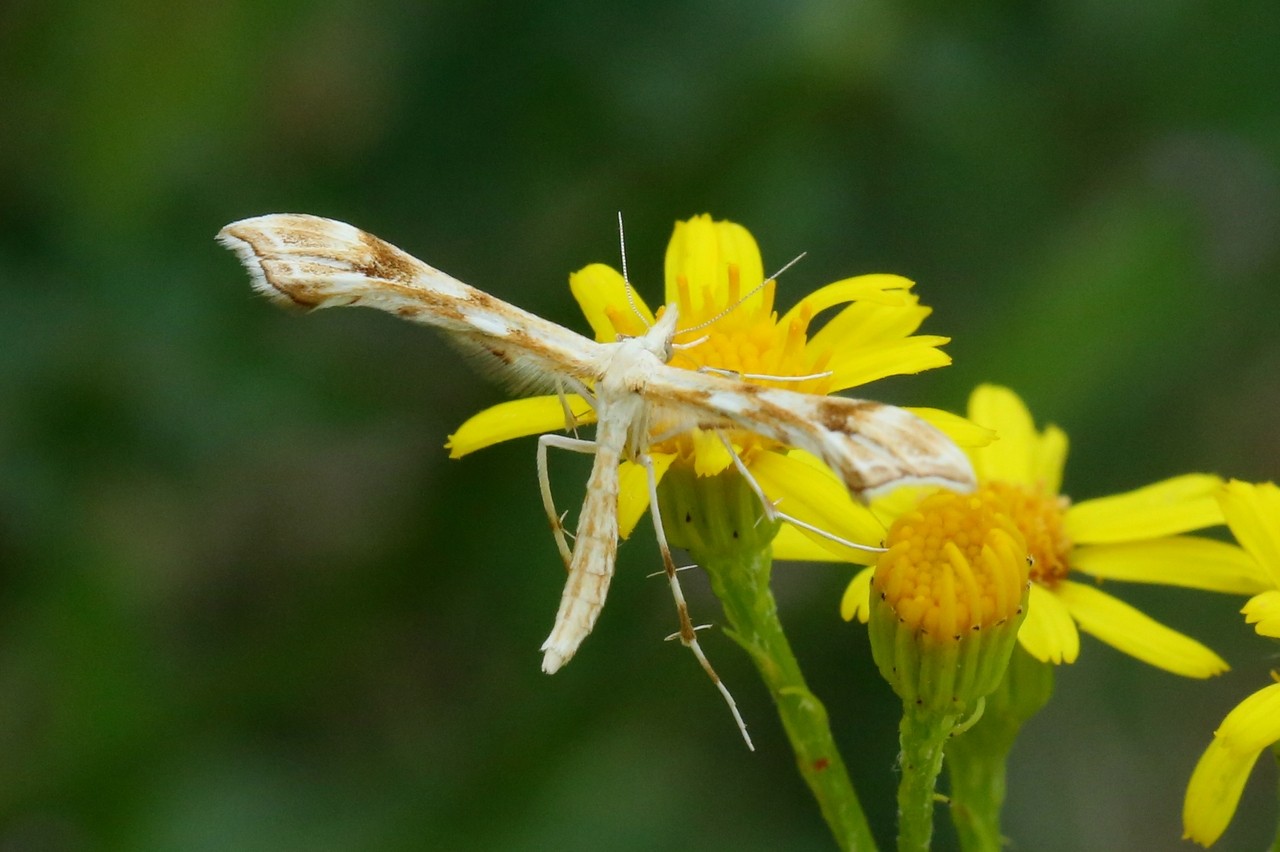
(911, 452)
(946, 466)
(238, 237)
(232, 237)
(906, 450)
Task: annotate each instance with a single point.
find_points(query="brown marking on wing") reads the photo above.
(842, 415)
(504, 357)
(839, 416)
(430, 306)
(481, 299)
(525, 340)
(384, 262)
(297, 296)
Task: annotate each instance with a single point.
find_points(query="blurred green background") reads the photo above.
(248, 603)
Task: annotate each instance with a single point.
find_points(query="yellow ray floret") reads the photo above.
(1220, 775)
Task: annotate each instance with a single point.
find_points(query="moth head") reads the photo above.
(660, 339)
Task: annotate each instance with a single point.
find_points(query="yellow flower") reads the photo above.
(1220, 774)
(949, 595)
(1133, 537)
(710, 267)
(1253, 513)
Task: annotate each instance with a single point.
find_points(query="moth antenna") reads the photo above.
(622, 246)
(756, 289)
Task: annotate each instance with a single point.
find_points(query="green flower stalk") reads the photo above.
(717, 520)
(976, 759)
(947, 599)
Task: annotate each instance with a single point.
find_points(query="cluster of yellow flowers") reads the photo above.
(1138, 536)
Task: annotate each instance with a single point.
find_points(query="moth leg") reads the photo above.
(770, 507)
(688, 633)
(556, 520)
(762, 377)
(570, 419)
(692, 343)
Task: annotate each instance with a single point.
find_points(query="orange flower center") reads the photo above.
(721, 331)
(1039, 517)
(744, 336)
(954, 564)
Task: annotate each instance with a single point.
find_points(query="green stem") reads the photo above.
(741, 582)
(923, 737)
(976, 759)
(976, 771)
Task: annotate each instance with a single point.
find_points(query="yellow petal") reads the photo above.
(1263, 611)
(964, 432)
(602, 295)
(1214, 791)
(633, 490)
(891, 505)
(1220, 774)
(879, 288)
(867, 321)
(738, 248)
(1048, 633)
(1012, 456)
(710, 455)
(1050, 459)
(1253, 511)
(856, 600)
(1194, 563)
(1171, 506)
(792, 545)
(701, 251)
(1136, 634)
(1255, 722)
(815, 496)
(852, 366)
(535, 415)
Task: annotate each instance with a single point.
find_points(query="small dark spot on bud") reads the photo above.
(735, 533)
(821, 764)
(688, 517)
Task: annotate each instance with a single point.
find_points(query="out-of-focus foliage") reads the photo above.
(247, 603)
